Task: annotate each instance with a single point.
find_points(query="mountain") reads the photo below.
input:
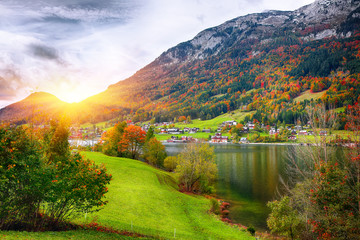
(259, 62)
(36, 104)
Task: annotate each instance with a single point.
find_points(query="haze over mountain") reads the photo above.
(269, 55)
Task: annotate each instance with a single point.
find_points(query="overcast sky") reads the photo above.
(77, 48)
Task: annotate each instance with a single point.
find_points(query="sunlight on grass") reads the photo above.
(308, 95)
(146, 199)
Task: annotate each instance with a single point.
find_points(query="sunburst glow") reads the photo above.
(73, 96)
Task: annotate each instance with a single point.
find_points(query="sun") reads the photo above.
(73, 96)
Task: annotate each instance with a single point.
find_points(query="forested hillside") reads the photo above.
(256, 62)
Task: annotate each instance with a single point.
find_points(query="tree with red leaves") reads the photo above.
(132, 140)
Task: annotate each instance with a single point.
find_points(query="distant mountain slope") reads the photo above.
(255, 62)
(36, 104)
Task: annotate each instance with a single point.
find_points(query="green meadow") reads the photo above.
(212, 124)
(145, 200)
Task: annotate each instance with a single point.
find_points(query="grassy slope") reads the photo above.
(215, 122)
(75, 235)
(212, 123)
(147, 198)
(308, 95)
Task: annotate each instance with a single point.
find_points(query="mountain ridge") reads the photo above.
(239, 41)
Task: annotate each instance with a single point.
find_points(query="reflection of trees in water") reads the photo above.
(253, 174)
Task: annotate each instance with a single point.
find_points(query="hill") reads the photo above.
(146, 200)
(259, 62)
(34, 106)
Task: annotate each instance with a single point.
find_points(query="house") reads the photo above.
(173, 131)
(194, 130)
(218, 138)
(298, 128)
(273, 131)
(303, 132)
(174, 139)
(244, 140)
(293, 138)
(228, 123)
(206, 130)
(323, 133)
(188, 139)
(251, 126)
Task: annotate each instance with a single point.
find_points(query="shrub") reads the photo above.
(41, 183)
(196, 167)
(154, 152)
(170, 163)
(215, 207)
(251, 230)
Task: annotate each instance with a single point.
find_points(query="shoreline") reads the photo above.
(240, 144)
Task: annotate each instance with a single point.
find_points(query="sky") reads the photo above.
(77, 48)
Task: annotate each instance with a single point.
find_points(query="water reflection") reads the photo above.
(248, 178)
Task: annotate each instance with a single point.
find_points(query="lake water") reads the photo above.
(249, 177)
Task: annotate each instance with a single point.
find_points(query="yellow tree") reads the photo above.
(197, 168)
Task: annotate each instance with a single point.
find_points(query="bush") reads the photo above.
(251, 230)
(215, 206)
(41, 183)
(170, 163)
(154, 152)
(196, 168)
(24, 178)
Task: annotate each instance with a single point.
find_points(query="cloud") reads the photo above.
(61, 46)
(9, 84)
(44, 52)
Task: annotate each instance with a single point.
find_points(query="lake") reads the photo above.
(249, 177)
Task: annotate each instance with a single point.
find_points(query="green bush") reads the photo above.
(251, 230)
(154, 152)
(170, 163)
(215, 206)
(41, 183)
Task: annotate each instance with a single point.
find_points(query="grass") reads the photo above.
(76, 235)
(90, 125)
(308, 95)
(199, 135)
(236, 115)
(147, 201)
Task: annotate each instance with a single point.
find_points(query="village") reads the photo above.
(221, 134)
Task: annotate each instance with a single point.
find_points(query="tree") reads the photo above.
(170, 163)
(42, 184)
(24, 177)
(324, 184)
(188, 119)
(181, 119)
(154, 152)
(112, 138)
(283, 219)
(334, 213)
(149, 134)
(132, 141)
(57, 140)
(197, 168)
